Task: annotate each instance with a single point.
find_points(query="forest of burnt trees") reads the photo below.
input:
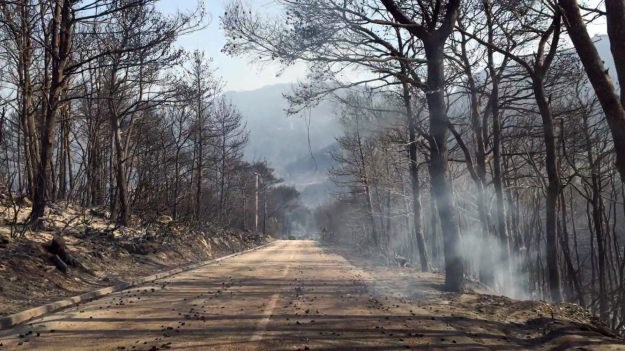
(482, 138)
(101, 109)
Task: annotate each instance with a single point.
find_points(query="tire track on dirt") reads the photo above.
(268, 312)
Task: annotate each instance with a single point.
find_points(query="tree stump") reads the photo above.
(59, 255)
(59, 263)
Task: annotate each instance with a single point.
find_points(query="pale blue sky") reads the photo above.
(237, 73)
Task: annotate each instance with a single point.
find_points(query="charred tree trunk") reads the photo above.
(121, 198)
(17, 20)
(365, 182)
(199, 142)
(174, 211)
(120, 173)
(613, 107)
(553, 188)
(500, 212)
(434, 42)
(31, 144)
(597, 221)
(222, 181)
(60, 47)
(414, 179)
(486, 263)
(441, 184)
(63, 154)
(95, 169)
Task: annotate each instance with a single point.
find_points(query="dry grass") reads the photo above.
(109, 255)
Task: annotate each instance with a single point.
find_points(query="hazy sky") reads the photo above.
(239, 73)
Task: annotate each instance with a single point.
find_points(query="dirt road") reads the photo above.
(291, 295)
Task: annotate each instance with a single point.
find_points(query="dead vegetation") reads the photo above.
(478, 311)
(80, 250)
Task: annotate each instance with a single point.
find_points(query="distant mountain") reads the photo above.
(293, 145)
(310, 173)
(312, 166)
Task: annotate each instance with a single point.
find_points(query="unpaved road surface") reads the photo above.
(292, 295)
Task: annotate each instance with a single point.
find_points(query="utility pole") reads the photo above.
(264, 212)
(256, 212)
(244, 210)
